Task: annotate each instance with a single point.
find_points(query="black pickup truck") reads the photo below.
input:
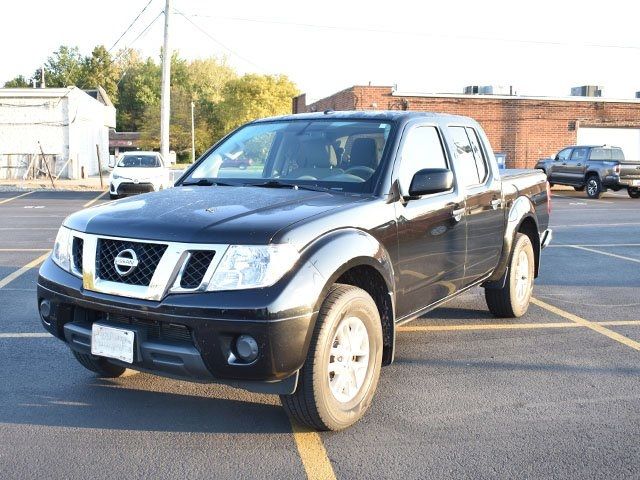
(594, 167)
(290, 275)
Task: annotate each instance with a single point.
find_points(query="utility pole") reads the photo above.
(42, 84)
(165, 101)
(193, 135)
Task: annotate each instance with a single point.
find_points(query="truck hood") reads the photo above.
(227, 215)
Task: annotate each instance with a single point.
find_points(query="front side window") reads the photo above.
(343, 155)
(421, 149)
(564, 155)
(579, 154)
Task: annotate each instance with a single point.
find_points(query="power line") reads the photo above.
(130, 44)
(419, 33)
(219, 42)
(131, 25)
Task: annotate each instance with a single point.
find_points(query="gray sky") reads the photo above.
(542, 47)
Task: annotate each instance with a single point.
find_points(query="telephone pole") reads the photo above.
(193, 135)
(165, 94)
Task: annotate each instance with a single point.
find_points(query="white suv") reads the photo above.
(138, 172)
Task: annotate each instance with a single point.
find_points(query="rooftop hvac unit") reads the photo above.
(471, 90)
(586, 91)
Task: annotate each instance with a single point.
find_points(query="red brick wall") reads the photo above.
(525, 129)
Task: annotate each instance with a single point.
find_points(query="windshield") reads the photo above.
(341, 155)
(140, 161)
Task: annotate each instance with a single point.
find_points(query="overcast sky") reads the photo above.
(542, 47)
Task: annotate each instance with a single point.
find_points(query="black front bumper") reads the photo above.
(191, 336)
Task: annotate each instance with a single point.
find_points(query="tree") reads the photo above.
(63, 68)
(99, 69)
(254, 96)
(18, 82)
(138, 90)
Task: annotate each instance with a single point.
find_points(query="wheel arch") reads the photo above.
(354, 257)
(521, 219)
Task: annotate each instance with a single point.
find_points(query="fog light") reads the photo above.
(45, 310)
(247, 348)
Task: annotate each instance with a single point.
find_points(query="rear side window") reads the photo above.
(470, 157)
(422, 148)
(600, 154)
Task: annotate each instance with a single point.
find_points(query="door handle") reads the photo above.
(579, 165)
(564, 164)
(458, 213)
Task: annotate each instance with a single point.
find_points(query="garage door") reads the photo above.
(626, 138)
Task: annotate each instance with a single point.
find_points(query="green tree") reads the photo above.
(18, 82)
(63, 68)
(138, 90)
(254, 96)
(99, 69)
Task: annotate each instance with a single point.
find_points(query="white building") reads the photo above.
(67, 122)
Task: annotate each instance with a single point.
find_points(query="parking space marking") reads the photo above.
(24, 249)
(599, 225)
(312, 453)
(509, 326)
(12, 276)
(586, 323)
(91, 202)
(6, 200)
(614, 255)
(557, 245)
(26, 335)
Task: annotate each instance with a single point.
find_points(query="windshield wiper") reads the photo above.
(295, 186)
(207, 182)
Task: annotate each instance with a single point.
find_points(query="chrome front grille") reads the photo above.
(148, 256)
(160, 268)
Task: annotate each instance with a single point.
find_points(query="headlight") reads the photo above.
(61, 253)
(253, 266)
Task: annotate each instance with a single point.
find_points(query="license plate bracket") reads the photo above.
(111, 342)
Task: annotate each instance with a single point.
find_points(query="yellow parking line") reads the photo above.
(12, 276)
(586, 323)
(6, 200)
(91, 202)
(312, 453)
(621, 257)
(508, 326)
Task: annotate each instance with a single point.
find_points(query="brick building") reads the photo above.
(524, 128)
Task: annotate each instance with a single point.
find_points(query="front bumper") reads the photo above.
(281, 324)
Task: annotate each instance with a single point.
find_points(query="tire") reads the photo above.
(579, 189)
(512, 300)
(99, 365)
(113, 196)
(633, 192)
(319, 401)
(594, 187)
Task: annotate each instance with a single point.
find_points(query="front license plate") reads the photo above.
(112, 342)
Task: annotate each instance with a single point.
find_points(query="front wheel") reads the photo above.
(594, 187)
(512, 300)
(340, 375)
(634, 192)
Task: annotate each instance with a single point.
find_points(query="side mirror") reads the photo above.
(431, 180)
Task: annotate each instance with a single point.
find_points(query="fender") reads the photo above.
(337, 252)
(521, 209)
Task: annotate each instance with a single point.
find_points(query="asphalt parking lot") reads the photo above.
(555, 394)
